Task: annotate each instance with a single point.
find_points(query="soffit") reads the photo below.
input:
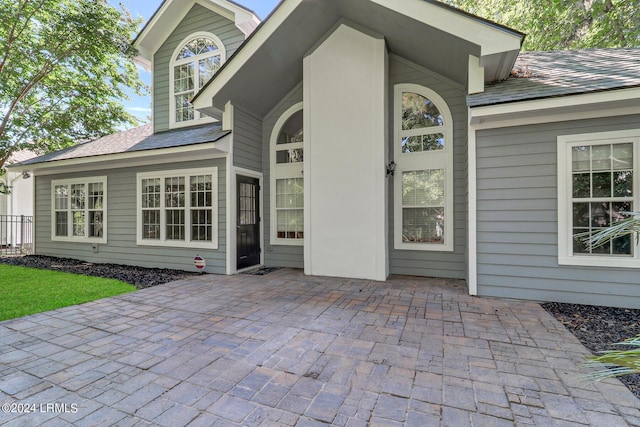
(272, 65)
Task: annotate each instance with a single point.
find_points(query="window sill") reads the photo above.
(598, 261)
(177, 244)
(285, 242)
(102, 241)
(422, 247)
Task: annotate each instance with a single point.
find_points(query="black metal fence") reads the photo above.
(16, 234)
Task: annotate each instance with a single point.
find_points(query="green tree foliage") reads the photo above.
(65, 65)
(563, 24)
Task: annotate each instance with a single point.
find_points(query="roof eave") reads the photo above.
(624, 100)
(218, 148)
(169, 14)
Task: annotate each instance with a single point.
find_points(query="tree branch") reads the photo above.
(13, 36)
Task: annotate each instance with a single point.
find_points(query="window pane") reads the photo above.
(151, 193)
(622, 156)
(207, 68)
(581, 215)
(77, 196)
(174, 192)
(601, 157)
(423, 225)
(290, 193)
(184, 109)
(292, 130)
(202, 225)
(581, 185)
(197, 46)
(289, 156)
(201, 191)
(78, 223)
(419, 112)
(423, 188)
(151, 224)
(623, 184)
(61, 197)
(581, 158)
(601, 184)
(290, 223)
(589, 218)
(175, 224)
(62, 224)
(96, 194)
(431, 142)
(95, 223)
(183, 77)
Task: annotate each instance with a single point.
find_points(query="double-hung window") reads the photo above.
(597, 185)
(193, 63)
(178, 208)
(287, 182)
(79, 209)
(423, 181)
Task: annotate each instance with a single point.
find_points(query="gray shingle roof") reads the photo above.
(136, 139)
(550, 74)
(21, 156)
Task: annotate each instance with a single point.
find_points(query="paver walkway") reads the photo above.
(286, 349)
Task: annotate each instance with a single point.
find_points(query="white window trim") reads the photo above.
(441, 159)
(79, 239)
(280, 172)
(565, 212)
(199, 118)
(186, 173)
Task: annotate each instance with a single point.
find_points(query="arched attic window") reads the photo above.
(193, 63)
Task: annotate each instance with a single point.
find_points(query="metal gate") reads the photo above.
(16, 234)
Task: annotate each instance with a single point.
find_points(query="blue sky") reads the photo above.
(140, 106)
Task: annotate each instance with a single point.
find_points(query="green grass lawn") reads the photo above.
(26, 291)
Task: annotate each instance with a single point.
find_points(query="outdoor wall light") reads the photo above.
(26, 175)
(391, 168)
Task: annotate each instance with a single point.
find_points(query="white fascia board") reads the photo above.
(571, 107)
(475, 76)
(162, 24)
(202, 102)
(108, 161)
(491, 39)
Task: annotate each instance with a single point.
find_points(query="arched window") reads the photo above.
(423, 187)
(287, 183)
(193, 63)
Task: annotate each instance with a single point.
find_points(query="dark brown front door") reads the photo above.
(248, 221)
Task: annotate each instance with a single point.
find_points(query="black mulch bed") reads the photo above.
(598, 328)
(139, 277)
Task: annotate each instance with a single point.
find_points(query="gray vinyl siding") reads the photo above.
(517, 235)
(277, 255)
(198, 19)
(433, 263)
(121, 247)
(247, 140)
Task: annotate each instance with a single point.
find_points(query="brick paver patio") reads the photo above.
(286, 349)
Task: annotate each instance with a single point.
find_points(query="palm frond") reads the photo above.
(625, 227)
(613, 363)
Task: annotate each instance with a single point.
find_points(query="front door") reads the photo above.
(248, 221)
